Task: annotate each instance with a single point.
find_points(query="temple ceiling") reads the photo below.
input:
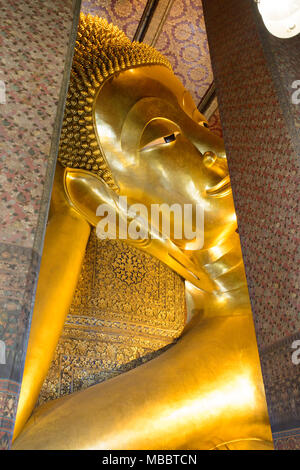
(175, 28)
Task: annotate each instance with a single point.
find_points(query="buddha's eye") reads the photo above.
(204, 124)
(169, 138)
(162, 140)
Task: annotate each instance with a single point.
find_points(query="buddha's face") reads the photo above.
(159, 149)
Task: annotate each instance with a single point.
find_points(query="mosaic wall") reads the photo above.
(253, 77)
(283, 59)
(289, 440)
(34, 41)
(215, 125)
(126, 308)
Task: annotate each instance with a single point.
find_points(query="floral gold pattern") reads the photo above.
(127, 307)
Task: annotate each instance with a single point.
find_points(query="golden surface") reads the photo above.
(102, 50)
(126, 307)
(206, 390)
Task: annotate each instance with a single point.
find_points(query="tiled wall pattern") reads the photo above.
(34, 41)
(215, 123)
(289, 440)
(183, 41)
(284, 61)
(253, 75)
(125, 14)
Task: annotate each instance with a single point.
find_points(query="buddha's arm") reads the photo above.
(65, 242)
(204, 391)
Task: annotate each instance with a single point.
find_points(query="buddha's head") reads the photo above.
(131, 122)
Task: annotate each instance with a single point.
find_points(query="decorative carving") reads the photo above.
(126, 308)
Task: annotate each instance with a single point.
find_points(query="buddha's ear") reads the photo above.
(86, 191)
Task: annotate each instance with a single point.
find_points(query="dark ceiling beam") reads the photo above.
(207, 99)
(145, 20)
(142, 30)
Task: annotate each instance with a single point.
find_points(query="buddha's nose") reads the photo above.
(216, 164)
(204, 140)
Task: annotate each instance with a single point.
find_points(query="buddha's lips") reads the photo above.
(223, 188)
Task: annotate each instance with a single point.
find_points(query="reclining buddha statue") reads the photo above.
(132, 130)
